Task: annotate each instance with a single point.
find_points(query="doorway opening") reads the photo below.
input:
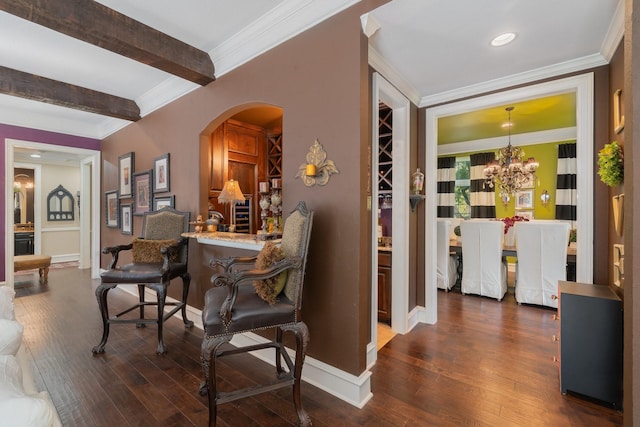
(86, 225)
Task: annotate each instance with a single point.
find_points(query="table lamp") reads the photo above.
(231, 193)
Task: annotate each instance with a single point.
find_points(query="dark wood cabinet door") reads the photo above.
(384, 288)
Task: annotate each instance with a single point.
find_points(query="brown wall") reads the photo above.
(319, 79)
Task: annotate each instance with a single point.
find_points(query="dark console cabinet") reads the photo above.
(23, 243)
(590, 341)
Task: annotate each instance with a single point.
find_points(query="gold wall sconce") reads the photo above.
(317, 169)
(545, 197)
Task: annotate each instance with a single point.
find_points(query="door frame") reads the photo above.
(582, 85)
(92, 227)
(385, 92)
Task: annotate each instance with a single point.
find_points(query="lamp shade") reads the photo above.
(231, 193)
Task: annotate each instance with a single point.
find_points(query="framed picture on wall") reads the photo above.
(164, 202)
(161, 174)
(125, 174)
(126, 215)
(524, 199)
(142, 182)
(111, 204)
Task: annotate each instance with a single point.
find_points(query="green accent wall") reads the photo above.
(547, 156)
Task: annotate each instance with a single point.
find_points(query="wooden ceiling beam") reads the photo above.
(97, 24)
(37, 88)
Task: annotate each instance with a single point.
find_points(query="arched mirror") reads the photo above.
(60, 205)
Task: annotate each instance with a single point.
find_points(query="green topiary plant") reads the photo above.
(611, 165)
(456, 230)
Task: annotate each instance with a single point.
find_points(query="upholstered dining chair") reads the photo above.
(542, 261)
(233, 306)
(446, 265)
(158, 256)
(483, 272)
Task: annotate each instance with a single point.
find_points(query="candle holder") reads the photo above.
(276, 209)
(264, 214)
(317, 169)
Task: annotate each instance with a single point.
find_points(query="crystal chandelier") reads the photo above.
(508, 172)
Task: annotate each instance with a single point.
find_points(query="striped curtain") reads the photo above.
(446, 186)
(483, 198)
(566, 185)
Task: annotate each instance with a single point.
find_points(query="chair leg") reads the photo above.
(279, 369)
(101, 296)
(208, 386)
(161, 291)
(186, 282)
(141, 300)
(301, 333)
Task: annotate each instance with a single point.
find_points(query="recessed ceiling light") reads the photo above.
(35, 156)
(503, 39)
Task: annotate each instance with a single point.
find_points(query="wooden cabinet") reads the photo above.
(384, 287)
(590, 342)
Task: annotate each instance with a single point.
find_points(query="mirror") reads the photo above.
(60, 205)
(23, 196)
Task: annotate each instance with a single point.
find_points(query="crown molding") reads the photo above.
(378, 63)
(285, 21)
(615, 32)
(561, 68)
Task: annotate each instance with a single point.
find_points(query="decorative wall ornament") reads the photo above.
(618, 213)
(618, 118)
(611, 164)
(317, 170)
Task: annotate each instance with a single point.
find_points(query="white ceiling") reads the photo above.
(432, 50)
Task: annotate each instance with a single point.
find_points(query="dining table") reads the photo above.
(455, 249)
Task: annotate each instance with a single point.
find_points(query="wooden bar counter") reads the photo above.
(205, 246)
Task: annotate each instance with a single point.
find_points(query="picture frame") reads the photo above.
(161, 175)
(142, 183)
(524, 199)
(164, 202)
(526, 214)
(126, 215)
(126, 169)
(111, 207)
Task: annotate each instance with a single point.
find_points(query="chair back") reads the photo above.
(295, 243)
(542, 261)
(165, 224)
(483, 272)
(445, 279)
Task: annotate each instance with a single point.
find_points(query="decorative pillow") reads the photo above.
(6, 303)
(269, 289)
(148, 251)
(10, 336)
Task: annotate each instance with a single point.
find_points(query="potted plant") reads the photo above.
(611, 164)
(573, 237)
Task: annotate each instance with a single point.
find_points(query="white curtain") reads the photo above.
(446, 186)
(483, 198)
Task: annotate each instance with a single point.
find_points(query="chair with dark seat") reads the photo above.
(160, 255)
(233, 306)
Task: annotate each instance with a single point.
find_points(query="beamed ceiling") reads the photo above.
(89, 68)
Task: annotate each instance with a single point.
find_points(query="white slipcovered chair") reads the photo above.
(542, 261)
(447, 265)
(483, 272)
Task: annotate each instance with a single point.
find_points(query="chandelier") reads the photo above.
(508, 172)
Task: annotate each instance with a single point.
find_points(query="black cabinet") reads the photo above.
(23, 243)
(590, 341)
(384, 287)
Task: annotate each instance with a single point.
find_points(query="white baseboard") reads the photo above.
(64, 258)
(355, 390)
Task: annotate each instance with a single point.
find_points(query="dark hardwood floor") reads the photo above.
(485, 363)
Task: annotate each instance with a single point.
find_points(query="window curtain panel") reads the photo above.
(483, 197)
(446, 187)
(566, 192)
